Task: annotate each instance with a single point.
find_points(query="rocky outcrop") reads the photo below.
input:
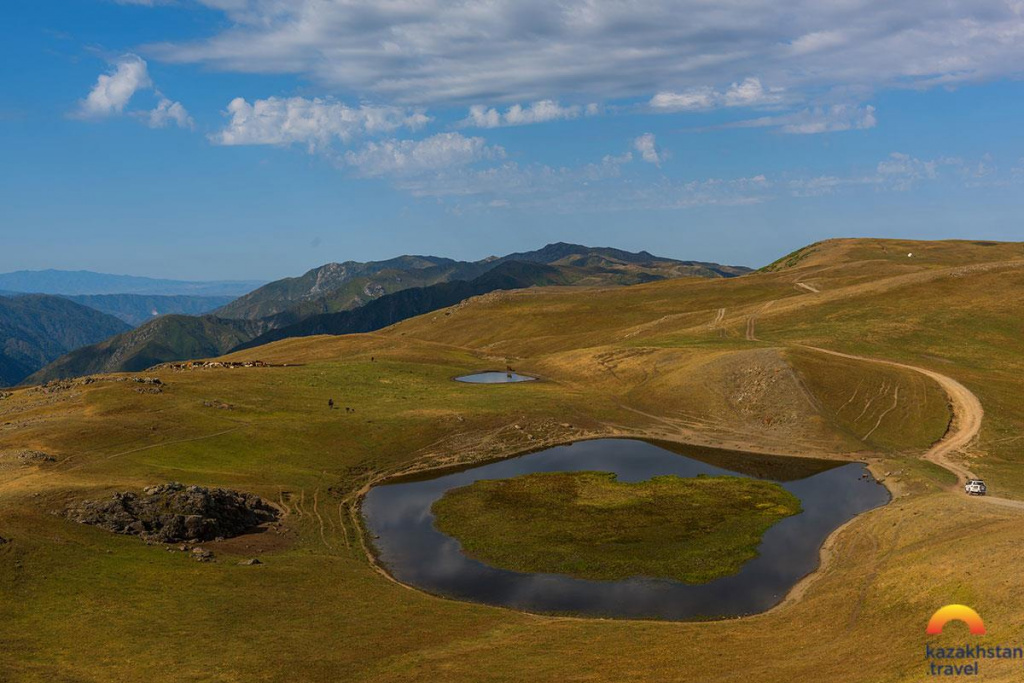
(23, 458)
(173, 512)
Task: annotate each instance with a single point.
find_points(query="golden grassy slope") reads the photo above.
(661, 360)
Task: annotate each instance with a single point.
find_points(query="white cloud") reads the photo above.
(819, 186)
(610, 160)
(313, 122)
(517, 115)
(115, 89)
(582, 189)
(613, 184)
(817, 41)
(901, 171)
(838, 117)
(899, 164)
(514, 51)
(167, 112)
(405, 158)
(648, 149)
(748, 93)
(694, 99)
(826, 119)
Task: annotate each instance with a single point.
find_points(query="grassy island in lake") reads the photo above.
(591, 526)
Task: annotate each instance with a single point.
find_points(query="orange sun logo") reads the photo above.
(956, 613)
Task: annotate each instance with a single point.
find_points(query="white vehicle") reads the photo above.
(975, 487)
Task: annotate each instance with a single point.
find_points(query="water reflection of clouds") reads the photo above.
(416, 553)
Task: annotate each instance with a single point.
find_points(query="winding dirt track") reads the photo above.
(967, 417)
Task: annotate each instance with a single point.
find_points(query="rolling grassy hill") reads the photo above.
(722, 363)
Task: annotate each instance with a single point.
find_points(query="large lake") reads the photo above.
(399, 518)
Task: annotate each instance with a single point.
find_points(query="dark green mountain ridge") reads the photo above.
(170, 337)
(35, 329)
(336, 287)
(342, 298)
(408, 303)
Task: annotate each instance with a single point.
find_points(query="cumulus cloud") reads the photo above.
(312, 122)
(514, 51)
(115, 89)
(167, 112)
(517, 115)
(648, 149)
(748, 93)
(415, 157)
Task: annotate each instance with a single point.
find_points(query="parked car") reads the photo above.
(975, 487)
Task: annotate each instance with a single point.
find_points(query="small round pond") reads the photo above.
(399, 517)
(495, 377)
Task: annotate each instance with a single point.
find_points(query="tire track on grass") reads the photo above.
(968, 414)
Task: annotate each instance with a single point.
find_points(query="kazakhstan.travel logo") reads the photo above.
(965, 659)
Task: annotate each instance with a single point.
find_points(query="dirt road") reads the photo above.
(967, 417)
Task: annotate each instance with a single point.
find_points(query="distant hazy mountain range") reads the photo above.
(136, 309)
(340, 298)
(35, 329)
(87, 282)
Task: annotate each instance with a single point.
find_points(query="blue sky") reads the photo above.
(212, 139)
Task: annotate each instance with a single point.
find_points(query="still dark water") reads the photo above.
(494, 378)
(416, 553)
